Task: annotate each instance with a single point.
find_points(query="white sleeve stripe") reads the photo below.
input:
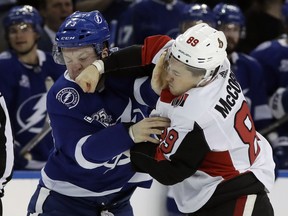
(43, 194)
(69, 189)
(80, 157)
(81, 160)
(137, 87)
(249, 205)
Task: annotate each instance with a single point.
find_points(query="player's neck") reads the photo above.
(30, 58)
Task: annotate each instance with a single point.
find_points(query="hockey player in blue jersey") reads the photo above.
(24, 70)
(248, 71)
(149, 17)
(279, 106)
(193, 14)
(273, 56)
(279, 103)
(89, 171)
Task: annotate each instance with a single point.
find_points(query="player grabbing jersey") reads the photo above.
(211, 154)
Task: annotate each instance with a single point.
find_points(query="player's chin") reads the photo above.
(174, 92)
(171, 89)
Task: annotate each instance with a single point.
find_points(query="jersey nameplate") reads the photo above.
(226, 103)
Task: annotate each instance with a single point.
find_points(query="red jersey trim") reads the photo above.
(151, 47)
(240, 206)
(166, 96)
(219, 164)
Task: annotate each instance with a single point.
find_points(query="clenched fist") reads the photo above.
(88, 79)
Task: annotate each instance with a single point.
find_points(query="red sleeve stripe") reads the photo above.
(152, 46)
(219, 164)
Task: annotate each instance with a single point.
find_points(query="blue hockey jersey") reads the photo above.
(91, 153)
(23, 87)
(250, 75)
(273, 56)
(146, 18)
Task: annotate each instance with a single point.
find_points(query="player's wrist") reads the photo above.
(99, 64)
(131, 134)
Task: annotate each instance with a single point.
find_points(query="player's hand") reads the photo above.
(88, 79)
(158, 81)
(143, 130)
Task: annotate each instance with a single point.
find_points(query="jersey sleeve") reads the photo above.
(137, 59)
(147, 157)
(97, 140)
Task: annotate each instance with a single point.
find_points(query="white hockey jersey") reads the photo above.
(212, 139)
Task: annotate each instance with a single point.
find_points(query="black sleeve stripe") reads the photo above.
(6, 145)
(193, 149)
(3, 140)
(183, 164)
(124, 58)
(127, 62)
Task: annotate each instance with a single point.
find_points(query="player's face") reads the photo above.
(179, 78)
(232, 33)
(22, 38)
(188, 24)
(77, 59)
(56, 12)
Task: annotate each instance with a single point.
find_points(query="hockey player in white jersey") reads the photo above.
(211, 155)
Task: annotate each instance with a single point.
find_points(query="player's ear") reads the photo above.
(105, 53)
(37, 36)
(57, 55)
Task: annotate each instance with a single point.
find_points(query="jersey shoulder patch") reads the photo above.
(5, 55)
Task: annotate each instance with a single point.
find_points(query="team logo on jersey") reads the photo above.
(24, 81)
(223, 73)
(179, 101)
(31, 114)
(68, 96)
